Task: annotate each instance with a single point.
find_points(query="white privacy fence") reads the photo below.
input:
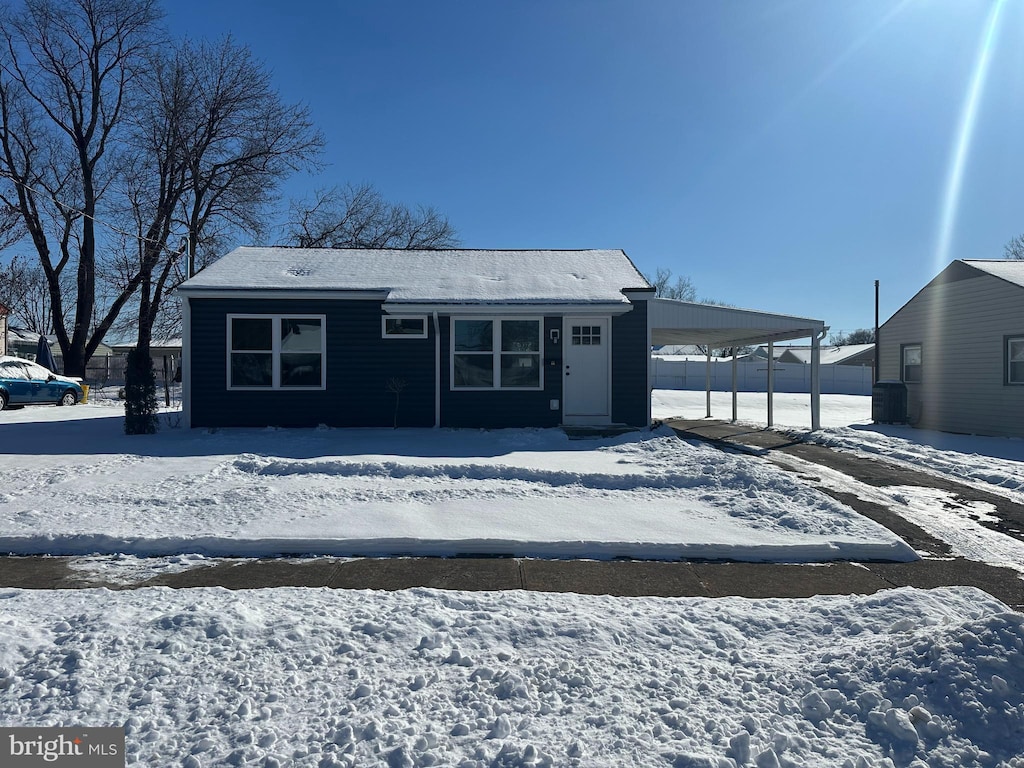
(752, 376)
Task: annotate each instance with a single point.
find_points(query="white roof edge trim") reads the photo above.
(791, 321)
(508, 309)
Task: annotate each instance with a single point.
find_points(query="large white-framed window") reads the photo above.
(403, 327)
(276, 352)
(911, 363)
(496, 353)
(1014, 359)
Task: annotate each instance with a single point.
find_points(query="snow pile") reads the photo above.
(327, 678)
(981, 461)
(422, 492)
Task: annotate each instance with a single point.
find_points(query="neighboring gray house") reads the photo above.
(959, 347)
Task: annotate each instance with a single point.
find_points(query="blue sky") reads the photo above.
(783, 154)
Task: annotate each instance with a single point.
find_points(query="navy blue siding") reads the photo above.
(630, 360)
(359, 363)
(497, 409)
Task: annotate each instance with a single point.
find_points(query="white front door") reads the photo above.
(586, 386)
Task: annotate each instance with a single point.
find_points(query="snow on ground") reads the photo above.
(310, 677)
(74, 484)
(993, 464)
(846, 421)
(791, 410)
(956, 521)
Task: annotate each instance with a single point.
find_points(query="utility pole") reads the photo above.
(877, 360)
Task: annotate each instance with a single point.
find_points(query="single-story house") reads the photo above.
(158, 349)
(24, 343)
(848, 354)
(451, 338)
(4, 312)
(958, 345)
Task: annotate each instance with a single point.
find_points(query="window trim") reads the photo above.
(384, 327)
(495, 352)
(1007, 381)
(903, 362)
(275, 351)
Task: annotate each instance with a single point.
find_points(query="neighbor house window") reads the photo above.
(1015, 360)
(404, 327)
(496, 353)
(276, 352)
(911, 363)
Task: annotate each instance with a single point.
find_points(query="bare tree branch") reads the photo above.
(1014, 249)
(358, 216)
(211, 143)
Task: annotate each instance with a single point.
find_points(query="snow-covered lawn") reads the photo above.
(74, 484)
(320, 678)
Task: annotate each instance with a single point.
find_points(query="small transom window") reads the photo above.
(404, 327)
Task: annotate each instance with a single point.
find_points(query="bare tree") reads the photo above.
(65, 71)
(12, 229)
(1014, 249)
(859, 336)
(358, 216)
(23, 291)
(682, 289)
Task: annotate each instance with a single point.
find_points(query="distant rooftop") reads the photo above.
(429, 276)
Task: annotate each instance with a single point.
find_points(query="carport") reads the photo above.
(682, 322)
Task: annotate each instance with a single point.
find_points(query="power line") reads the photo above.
(85, 215)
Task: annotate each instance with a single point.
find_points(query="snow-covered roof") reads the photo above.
(1011, 270)
(685, 322)
(428, 276)
(21, 335)
(829, 355)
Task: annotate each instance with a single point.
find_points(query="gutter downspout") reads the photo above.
(437, 372)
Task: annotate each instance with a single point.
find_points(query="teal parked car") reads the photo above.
(23, 382)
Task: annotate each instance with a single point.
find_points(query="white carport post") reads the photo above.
(707, 382)
(816, 381)
(771, 379)
(735, 403)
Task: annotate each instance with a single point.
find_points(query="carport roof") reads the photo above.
(683, 322)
